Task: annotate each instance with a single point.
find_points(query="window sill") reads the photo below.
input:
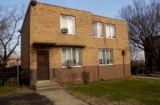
(106, 64)
(67, 34)
(72, 66)
(111, 38)
(97, 37)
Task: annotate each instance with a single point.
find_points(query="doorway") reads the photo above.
(42, 65)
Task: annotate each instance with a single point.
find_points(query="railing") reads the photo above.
(57, 74)
(150, 71)
(153, 69)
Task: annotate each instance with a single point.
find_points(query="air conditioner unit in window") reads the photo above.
(64, 30)
(114, 36)
(69, 63)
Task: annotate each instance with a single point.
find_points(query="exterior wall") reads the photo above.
(45, 27)
(25, 34)
(96, 73)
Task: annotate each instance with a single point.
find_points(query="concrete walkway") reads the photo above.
(145, 77)
(61, 97)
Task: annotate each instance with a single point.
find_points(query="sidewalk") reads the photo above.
(146, 77)
(61, 97)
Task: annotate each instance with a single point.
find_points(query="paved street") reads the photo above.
(25, 99)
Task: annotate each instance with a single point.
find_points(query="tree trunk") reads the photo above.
(3, 66)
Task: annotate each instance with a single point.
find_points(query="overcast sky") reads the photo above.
(107, 8)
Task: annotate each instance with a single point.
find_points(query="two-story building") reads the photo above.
(59, 43)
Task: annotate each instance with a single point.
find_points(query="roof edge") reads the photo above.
(82, 11)
(63, 7)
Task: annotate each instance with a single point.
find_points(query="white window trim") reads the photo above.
(114, 31)
(67, 24)
(71, 58)
(97, 36)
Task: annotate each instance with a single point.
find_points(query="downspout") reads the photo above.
(123, 54)
(98, 72)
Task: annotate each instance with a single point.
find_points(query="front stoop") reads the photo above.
(43, 86)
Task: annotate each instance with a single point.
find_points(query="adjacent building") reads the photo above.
(13, 61)
(152, 49)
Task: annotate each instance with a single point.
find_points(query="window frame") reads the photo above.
(80, 52)
(111, 53)
(97, 29)
(107, 24)
(67, 25)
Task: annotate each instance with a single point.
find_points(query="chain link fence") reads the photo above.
(9, 76)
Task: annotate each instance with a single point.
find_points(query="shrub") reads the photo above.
(134, 69)
(85, 77)
(24, 78)
(73, 77)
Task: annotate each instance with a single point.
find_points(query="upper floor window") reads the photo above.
(71, 57)
(97, 29)
(105, 56)
(67, 24)
(110, 31)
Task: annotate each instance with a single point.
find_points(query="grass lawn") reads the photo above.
(10, 88)
(132, 91)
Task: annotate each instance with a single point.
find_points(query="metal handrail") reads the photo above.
(58, 74)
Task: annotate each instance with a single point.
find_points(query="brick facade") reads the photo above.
(42, 24)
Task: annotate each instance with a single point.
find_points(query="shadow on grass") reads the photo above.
(25, 99)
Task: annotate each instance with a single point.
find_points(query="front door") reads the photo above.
(42, 65)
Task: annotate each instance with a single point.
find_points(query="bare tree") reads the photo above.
(10, 19)
(134, 54)
(144, 26)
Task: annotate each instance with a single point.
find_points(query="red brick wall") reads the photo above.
(73, 75)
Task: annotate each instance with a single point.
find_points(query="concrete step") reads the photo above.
(47, 86)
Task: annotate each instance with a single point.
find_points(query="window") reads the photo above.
(71, 57)
(105, 56)
(97, 29)
(110, 31)
(68, 22)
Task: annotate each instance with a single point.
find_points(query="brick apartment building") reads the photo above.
(59, 43)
